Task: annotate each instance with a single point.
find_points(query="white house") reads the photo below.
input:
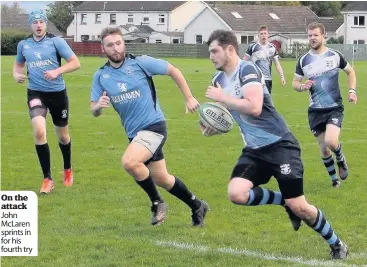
(355, 16)
(287, 24)
(162, 16)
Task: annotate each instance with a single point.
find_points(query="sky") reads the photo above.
(28, 6)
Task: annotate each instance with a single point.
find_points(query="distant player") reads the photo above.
(320, 66)
(126, 82)
(271, 149)
(42, 53)
(263, 53)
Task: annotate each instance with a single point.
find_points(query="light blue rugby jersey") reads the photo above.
(324, 70)
(41, 56)
(260, 131)
(129, 90)
(263, 56)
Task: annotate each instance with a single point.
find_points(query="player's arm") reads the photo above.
(279, 69)
(19, 64)
(64, 50)
(297, 83)
(99, 98)
(155, 66)
(248, 53)
(252, 93)
(352, 80)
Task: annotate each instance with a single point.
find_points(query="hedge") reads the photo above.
(10, 40)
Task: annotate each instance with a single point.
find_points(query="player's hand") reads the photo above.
(215, 93)
(191, 105)
(352, 97)
(51, 74)
(308, 84)
(104, 101)
(282, 79)
(207, 130)
(19, 77)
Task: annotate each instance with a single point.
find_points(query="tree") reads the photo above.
(14, 9)
(323, 8)
(61, 13)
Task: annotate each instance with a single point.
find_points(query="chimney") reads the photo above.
(104, 5)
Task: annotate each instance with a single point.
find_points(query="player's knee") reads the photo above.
(65, 139)
(129, 164)
(299, 207)
(331, 143)
(237, 197)
(40, 135)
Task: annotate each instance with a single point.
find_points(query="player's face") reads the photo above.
(38, 27)
(263, 35)
(218, 55)
(114, 48)
(315, 38)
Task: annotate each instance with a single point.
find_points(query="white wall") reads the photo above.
(204, 25)
(93, 28)
(159, 36)
(180, 16)
(354, 32)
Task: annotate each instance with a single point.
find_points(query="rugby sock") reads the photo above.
(150, 188)
(339, 153)
(66, 154)
(43, 153)
(262, 196)
(180, 191)
(329, 164)
(323, 227)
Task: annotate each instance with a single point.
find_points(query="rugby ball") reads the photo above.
(216, 116)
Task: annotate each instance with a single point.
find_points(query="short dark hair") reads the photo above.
(263, 27)
(110, 31)
(317, 25)
(224, 38)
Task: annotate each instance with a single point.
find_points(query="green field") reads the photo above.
(104, 219)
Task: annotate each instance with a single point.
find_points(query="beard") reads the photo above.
(315, 46)
(225, 62)
(120, 57)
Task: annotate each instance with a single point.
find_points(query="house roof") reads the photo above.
(356, 6)
(128, 6)
(331, 24)
(20, 22)
(139, 28)
(171, 34)
(292, 19)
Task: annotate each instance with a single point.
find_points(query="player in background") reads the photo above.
(126, 82)
(263, 53)
(271, 149)
(320, 67)
(41, 52)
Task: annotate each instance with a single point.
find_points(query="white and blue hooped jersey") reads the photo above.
(41, 56)
(263, 56)
(131, 91)
(324, 70)
(260, 131)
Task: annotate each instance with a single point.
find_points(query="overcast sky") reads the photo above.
(28, 6)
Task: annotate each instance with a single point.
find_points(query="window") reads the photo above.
(359, 20)
(83, 19)
(84, 38)
(199, 39)
(158, 41)
(99, 36)
(246, 39)
(358, 42)
(146, 19)
(98, 18)
(161, 19)
(112, 18)
(273, 16)
(175, 41)
(130, 18)
(236, 15)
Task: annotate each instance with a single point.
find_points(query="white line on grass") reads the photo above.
(253, 254)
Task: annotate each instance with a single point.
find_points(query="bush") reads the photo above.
(10, 39)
